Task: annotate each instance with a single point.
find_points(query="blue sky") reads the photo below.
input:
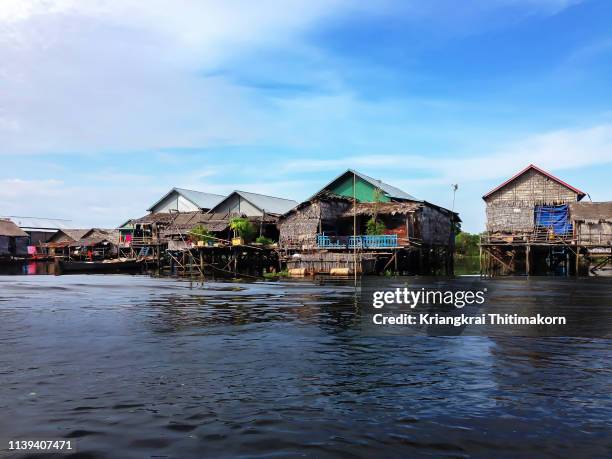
(106, 105)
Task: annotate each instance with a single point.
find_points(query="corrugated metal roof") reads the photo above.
(265, 203)
(201, 199)
(198, 198)
(38, 223)
(269, 204)
(389, 190)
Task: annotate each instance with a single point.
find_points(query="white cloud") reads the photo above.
(126, 74)
(430, 178)
(119, 75)
(84, 206)
(561, 149)
(107, 198)
(129, 75)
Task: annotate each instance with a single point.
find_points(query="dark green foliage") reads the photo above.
(467, 244)
(374, 227)
(200, 233)
(264, 240)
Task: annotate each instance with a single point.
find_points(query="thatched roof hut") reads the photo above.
(299, 227)
(13, 240)
(217, 223)
(10, 229)
(184, 222)
(332, 214)
(157, 218)
(368, 209)
(591, 212)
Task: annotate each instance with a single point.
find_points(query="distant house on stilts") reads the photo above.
(536, 225)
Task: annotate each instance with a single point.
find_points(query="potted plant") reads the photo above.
(243, 230)
(201, 235)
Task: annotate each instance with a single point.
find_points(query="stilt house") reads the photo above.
(355, 212)
(529, 229)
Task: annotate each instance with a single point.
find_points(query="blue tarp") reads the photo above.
(555, 217)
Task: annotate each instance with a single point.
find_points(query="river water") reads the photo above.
(139, 367)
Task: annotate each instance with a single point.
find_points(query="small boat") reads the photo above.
(104, 266)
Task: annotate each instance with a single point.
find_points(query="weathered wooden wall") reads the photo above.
(511, 208)
(20, 246)
(300, 228)
(594, 233)
(435, 226)
(324, 262)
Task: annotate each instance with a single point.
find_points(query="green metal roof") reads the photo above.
(390, 191)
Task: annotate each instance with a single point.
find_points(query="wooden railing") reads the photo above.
(141, 240)
(357, 242)
(536, 237)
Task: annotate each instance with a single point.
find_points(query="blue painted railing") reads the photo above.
(359, 242)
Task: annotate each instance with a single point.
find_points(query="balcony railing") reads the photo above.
(140, 240)
(358, 242)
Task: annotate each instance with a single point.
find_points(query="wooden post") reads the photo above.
(480, 253)
(577, 273)
(527, 259)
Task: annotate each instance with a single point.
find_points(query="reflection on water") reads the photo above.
(26, 267)
(131, 366)
(466, 265)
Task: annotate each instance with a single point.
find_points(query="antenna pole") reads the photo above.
(455, 187)
(354, 230)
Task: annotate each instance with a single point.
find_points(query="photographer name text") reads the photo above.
(408, 299)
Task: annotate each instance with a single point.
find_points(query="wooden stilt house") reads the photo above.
(529, 229)
(386, 227)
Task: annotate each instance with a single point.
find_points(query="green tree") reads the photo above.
(467, 244)
(375, 227)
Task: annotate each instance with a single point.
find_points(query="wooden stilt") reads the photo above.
(528, 260)
(577, 272)
(395, 258)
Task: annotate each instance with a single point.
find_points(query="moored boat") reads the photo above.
(104, 266)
